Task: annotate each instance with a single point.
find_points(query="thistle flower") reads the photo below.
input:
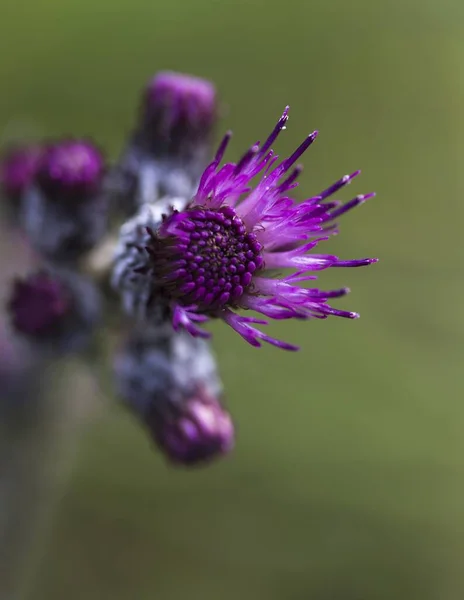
(221, 253)
(170, 381)
(170, 146)
(55, 311)
(64, 211)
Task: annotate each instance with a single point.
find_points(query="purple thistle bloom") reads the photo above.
(222, 251)
(57, 310)
(18, 168)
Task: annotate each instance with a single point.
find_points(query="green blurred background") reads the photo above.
(348, 478)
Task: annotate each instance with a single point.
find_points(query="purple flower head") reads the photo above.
(39, 304)
(70, 169)
(56, 310)
(226, 249)
(195, 432)
(18, 168)
(178, 110)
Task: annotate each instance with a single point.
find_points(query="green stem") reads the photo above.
(37, 449)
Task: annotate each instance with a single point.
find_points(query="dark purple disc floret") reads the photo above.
(212, 264)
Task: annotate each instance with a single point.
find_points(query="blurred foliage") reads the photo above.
(348, 481)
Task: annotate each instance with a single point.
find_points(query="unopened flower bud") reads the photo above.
(178, 112)
(65, 211)
(170, 381)
(198, 431)
(171, 143)
(55, 311)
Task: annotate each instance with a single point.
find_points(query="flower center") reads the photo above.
(210, 261)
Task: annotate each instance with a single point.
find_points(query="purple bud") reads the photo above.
(57, 310)
(179, 109)
(39, 304)
(18, 168)
(70, 170)
(199, 430)
(170, 146)
(65, 212)
(169, 380)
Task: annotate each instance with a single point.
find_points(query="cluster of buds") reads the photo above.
(198, 239)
